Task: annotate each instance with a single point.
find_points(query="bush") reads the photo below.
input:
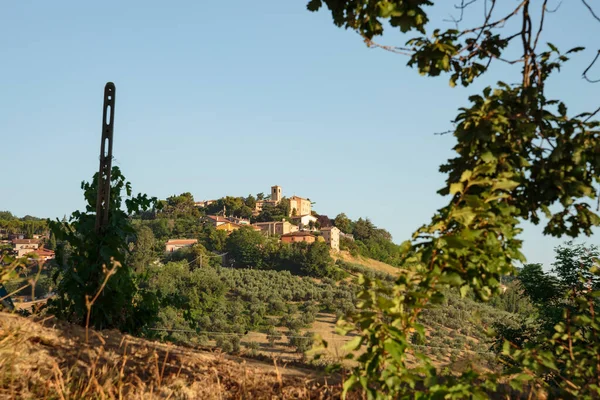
(273, 335)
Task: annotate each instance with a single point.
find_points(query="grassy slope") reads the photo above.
(48, 359)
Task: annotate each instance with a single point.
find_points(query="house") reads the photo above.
(331, 235)
(304, 221)
(176, 244)
(24, 246)
(299, 206)
(276, 228)
(239, 221)
(297, 237)
(348, 236)
(205, 203)
(216, 220)
(43, 254)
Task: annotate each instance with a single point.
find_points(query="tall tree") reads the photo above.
(343, 223)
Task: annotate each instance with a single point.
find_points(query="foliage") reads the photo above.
(96, 265)
(28, 225)
(518, 154)
(244, 248)
(179, 206)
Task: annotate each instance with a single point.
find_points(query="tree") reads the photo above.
(273, 335)
(539, 286)
(363, 229)
(250, 202)
(96, 267)
(7, 216)
(181, 206)
(573, 267)
(144, 249)
(343, 223)
(244, 248)
(518, 152)
(51, 242)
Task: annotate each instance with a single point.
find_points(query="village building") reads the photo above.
(216, 220)
(43, 254)
(204, 203)
(332, 237)
(24, 246)
(299, 206)
(276, 228)
(304, 221)
(273, 201)
(176, 244)
(298, 237)
(239, 221)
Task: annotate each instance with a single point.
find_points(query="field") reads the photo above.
(47, 359)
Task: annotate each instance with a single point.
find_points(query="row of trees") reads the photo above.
(27, 225)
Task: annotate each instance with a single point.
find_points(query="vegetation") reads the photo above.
(27, 226)
(95, 272)
(518, 153)
(369, 240)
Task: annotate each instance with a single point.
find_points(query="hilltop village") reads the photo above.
(291, 220)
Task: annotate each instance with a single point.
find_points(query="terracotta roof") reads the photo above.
(182, 241)
(42, 252)
(299, 233)
(25, 241)
(328, 228)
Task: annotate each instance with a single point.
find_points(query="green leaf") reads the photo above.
(456, 188)
(353, 344)
(506, 184)
(464, 215)
(452, 278)
(455, 242)
(394, 348)
(349, 384)
(466, 175)
(488, 157)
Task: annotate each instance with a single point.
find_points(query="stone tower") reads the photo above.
(276, 194)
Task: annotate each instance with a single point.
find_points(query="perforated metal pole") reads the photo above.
(108, 118)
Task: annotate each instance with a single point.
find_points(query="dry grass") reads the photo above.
(47, 359)
(366, 262)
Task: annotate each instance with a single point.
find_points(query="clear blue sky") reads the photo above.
(229, 98)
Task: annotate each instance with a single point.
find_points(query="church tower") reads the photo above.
(276, 194)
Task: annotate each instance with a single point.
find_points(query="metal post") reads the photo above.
(108, 117)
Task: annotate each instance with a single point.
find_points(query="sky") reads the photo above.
(230, 98)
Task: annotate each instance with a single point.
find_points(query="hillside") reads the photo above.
(365, 262)
(49, 359)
